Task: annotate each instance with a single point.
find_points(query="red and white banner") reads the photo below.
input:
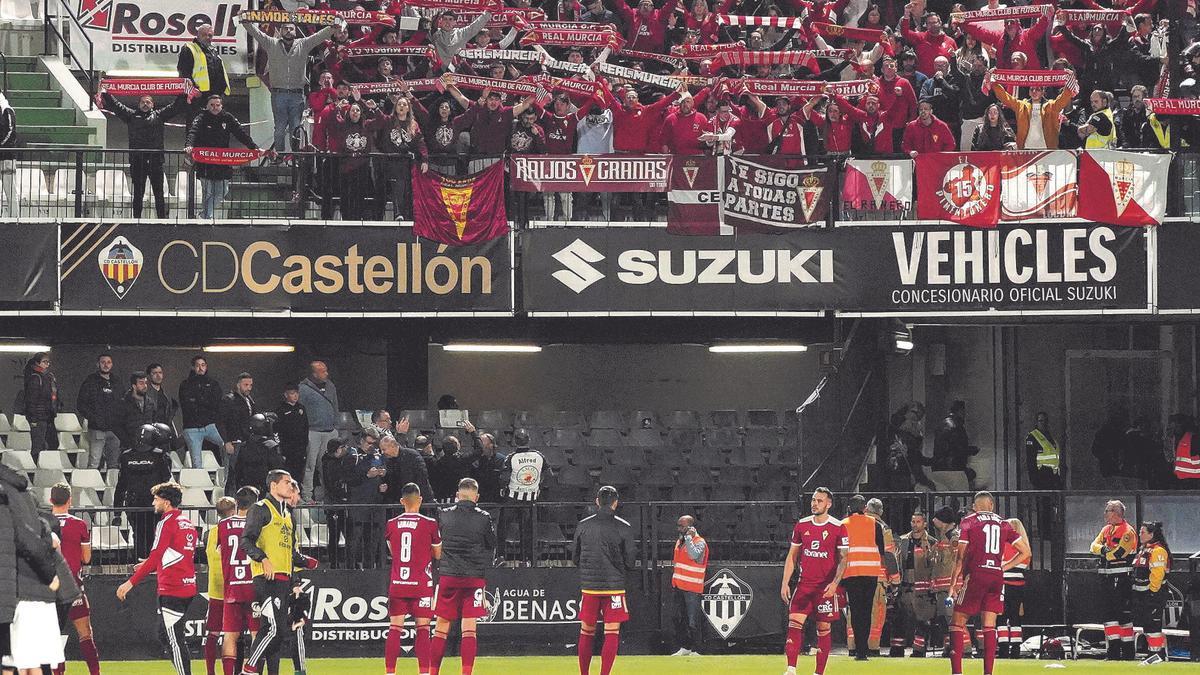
(805, 88)
(746, 57)
(1091, 17)
(502, 86)
(769, 21)
(1007, 77)
(1174, 106)
(1123, 188)
(457, 5)
(1038, 185)
(635, 75)
(149, 86)
(832, 30)
(571, 85)
(1028, 12)
(423, 84)
(459, 211)
(959, 187)
(225, 156)
(589, 38)
(389, 50)
(725, 195)
(589, 173)
(506, 55)
(877, 189)
(504, 18)
(147, 35)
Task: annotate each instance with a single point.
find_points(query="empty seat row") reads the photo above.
(106, 185)
(611, 419)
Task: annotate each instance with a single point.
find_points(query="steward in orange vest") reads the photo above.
(864, 567)
(687, 580)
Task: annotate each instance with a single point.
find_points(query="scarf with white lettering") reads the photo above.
(1027, 12)
(225, 156)
(149, 86)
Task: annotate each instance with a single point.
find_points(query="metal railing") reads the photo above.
(52, 26)
(85, 182)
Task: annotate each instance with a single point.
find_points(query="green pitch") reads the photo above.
(663, 665)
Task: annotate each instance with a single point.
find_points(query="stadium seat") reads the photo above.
(51, 459)
(348, 421)
(761, 418)
(724, 492)
(787, 455)
(88, 478)
(694, 475)
(556, 456)
(720, 419)
(112, 186)
(688, 493)
(64, 184)
(735, 475)
(193, 496)
(5, 425)
(109, 538)
(683, 419)
(208, 462)
(574, 476)
(722, 438)
(605, 438)
(762, 438)
(643, 419)
(629, 457)
(31, 185)
(19, 423)
(46, 478)
(67, 422)
(658, 476)
(683, 439)
(18, 440)
(524, 419)
(587, 456)
(617, 476)
(564, 438)
(492, 419)
(21, 460)
(608, 419)
(85, 498)
(68, 442)
(644, 438)
(750, 457)
(196, 478)
(567, 419)
(704, 457)
(176, 463)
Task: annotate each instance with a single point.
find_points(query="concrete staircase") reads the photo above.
(44, 117)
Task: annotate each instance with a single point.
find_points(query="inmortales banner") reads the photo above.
(877, 189)
(589, 173)
(148, 34)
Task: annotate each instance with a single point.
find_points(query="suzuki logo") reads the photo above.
(580, 274)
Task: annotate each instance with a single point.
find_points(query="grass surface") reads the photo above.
(662, 665)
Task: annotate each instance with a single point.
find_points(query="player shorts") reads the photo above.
(417, 608)
(980, 594)
(810, 601)
(215, 619)
(603, 608)
(80, 609)
(238, 617)
(460, 598)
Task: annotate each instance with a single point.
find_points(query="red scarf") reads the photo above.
(848, 32)
(1028, 12)
(225, 156)
(152, 86)
(1174, 106)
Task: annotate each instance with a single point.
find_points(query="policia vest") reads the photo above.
(277, 540)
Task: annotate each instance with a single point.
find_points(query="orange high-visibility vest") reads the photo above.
(689, 574)
(1186, 466)
(863, 558)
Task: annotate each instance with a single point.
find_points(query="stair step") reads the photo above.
(29, 80)
(60, 135)
(33, 97)
(44, 116)
(22, 64)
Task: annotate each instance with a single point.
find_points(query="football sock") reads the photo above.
(391, 649)
(608, 652)
(958, 639)
(421, 647)
(210, 652)
(824, 646)
(469, 647)
(795, 637)
(989, 650)
(587, 640)
(436, 652)
(87, 649)
(229, 665)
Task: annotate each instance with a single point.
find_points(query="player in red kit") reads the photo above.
(414, 542)
(172, 558)
(819, 545)
(237, 614)
(75, 544)
(977, 584)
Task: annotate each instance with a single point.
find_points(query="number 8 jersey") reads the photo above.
(985, 535)
(411, 538)
(235, 565)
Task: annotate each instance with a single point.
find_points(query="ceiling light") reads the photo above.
(758, 349)
(22, 348)
(249, 348)
(497, 348)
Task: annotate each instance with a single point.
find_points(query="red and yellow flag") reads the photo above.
(460, 211)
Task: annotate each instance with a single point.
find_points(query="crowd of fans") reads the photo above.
(929, 74)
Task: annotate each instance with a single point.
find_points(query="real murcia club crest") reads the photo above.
(965, 191)
(120, 264)
(691, 169)
(726, 601)
(587, 168)
(877, 181)
(810, 195)
(1124, 181)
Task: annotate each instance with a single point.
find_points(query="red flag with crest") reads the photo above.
(460, 211)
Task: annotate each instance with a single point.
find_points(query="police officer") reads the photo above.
(917, 557)
(1043, 459)
(141, 467)
(523, 474)
(259, 454)
(1115, 547)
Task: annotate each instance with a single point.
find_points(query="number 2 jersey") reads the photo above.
(986, 535)
(411, 538)
(235, 564)
(818, 549)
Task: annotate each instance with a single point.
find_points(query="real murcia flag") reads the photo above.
(881, 187)
(1038, 184)
(1123, 188)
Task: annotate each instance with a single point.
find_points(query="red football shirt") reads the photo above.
(172, 557)
(818, 549)
(235, 565)
(74, 534)
(985, 535)
(411, 538)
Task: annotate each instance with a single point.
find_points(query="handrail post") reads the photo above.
(78, 183)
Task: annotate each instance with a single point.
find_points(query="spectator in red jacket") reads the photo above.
(1013, 38)
(634, 124)
(646, 29)
(832, 125)
(896, 95)
(927, 133)
(877, 127)
(754, 119)
(928, 44)
(723, 130)
(786, 133)
(704, 21)
(682, 129)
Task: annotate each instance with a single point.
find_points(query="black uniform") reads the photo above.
(200, 400)
(213, 131)
(292, 427)
(603, 551)
(146, 133)
(408, 467)
(468, 540)
(256, 458)
(233, 425)
(335, 472)
(99, 402)
(132, 413)
(141, 469)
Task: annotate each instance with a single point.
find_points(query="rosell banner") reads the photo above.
(912, 270)
(321, 268)
(148, 34)
(589, 173)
